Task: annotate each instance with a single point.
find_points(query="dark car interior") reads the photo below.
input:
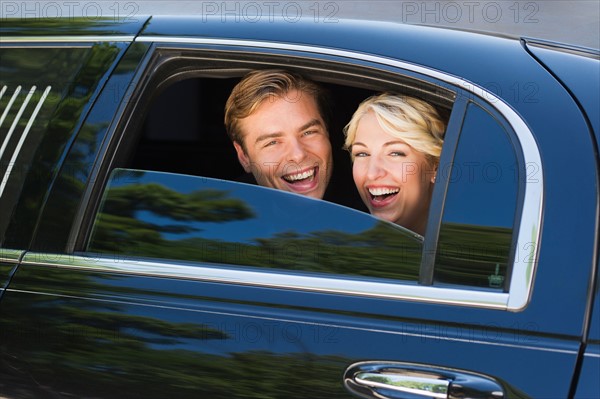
(184, 133)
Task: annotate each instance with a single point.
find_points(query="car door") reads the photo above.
(151, 291)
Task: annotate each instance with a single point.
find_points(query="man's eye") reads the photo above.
(270, 143)
(309, 132)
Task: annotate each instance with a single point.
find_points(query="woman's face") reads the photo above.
(394, 180)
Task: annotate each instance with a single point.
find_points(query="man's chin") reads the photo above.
(313, 194)
(318, 194)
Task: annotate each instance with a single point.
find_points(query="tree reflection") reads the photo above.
(74, 75)
(65, 345)
(473, 255)
(123, 227)
(119, 229)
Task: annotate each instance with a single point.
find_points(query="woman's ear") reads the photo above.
(434, 174)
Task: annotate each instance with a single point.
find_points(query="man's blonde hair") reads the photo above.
(260, 85)
(412, 120)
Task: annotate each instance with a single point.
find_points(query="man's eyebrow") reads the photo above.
(263, 137)
(314, 122)
(267, 136)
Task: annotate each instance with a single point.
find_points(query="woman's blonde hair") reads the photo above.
(412, 120)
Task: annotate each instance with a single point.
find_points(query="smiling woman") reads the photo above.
(395, 143)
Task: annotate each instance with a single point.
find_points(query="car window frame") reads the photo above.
(448, 157)
(527, 231)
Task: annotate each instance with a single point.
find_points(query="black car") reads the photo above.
(134, 263)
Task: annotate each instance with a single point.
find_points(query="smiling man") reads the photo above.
(276, 121)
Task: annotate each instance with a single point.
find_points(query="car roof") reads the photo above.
(52, 27)
(421, 44)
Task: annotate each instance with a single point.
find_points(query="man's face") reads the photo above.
(287, 145)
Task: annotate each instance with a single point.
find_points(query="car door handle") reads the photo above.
(428, 387)
(395, 380)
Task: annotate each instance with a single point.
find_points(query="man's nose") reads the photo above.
(296, 151)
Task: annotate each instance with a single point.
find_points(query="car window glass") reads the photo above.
(475, 238)
(181, 217)
(38, 114)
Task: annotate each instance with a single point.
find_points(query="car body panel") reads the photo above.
(236, 322)
(588, 384)
(577, 73)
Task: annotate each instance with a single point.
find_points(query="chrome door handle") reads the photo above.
(426, 386)
(396, 380)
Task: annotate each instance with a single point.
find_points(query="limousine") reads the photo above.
(135, 263)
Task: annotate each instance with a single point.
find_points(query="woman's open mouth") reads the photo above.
(381, 196)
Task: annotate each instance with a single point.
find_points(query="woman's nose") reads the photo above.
(375, 169)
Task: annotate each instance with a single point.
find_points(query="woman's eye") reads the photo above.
(360, 154)
(397, 154)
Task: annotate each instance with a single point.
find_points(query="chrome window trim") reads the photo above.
(218, 273)
(26, 130)
(65, 39)
(10, 255)
(528, 236)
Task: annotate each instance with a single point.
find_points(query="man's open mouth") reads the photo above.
(301, 177)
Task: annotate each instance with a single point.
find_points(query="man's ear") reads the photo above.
(242, 157)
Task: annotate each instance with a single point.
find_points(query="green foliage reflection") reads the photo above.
(383, 250)
(473, 255)
(73, 74)
(76, 347)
